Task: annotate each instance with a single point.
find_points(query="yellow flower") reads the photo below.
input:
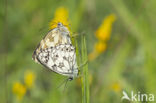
(61, 15)
(102, 34)
(29, 79)
(100, 47)
(19, 90)
(116, 87)
(104, 31)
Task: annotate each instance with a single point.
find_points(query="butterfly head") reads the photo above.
(59, 24)
(63, 29)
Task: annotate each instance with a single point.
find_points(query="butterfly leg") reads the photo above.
(76, 34)
(83, 64)
(80, 70)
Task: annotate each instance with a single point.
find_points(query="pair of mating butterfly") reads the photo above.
(56, 52)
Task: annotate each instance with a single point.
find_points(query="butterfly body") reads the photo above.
(56, 52)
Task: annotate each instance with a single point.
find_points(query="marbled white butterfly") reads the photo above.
(56, 52)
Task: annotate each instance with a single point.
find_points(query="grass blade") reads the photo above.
(84, 79)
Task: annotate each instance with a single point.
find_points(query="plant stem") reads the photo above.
(84, 79)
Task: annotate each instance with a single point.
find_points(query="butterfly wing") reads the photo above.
(56, 52)
(60, 59)
(59, 35)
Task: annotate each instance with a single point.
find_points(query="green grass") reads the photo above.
(84, 78)
(82, 60)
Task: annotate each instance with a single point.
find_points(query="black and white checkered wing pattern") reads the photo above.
(61, 59)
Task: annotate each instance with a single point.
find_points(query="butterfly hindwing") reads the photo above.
(61, 59)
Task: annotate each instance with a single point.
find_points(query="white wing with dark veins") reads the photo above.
(61, 59)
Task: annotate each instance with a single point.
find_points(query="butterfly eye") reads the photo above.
(59, 24)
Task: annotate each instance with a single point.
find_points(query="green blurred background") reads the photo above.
(128, 63)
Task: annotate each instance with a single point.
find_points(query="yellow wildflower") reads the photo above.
(104, 31)
(102, 34)
(100, 47)
(61, 15)
(116, 87)
(29, 79)
(19, 90)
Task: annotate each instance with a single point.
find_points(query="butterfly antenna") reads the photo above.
(53, 23)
